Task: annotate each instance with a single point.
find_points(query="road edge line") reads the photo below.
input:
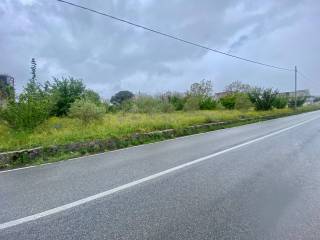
(142, 180)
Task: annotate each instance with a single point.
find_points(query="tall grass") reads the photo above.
(66, 130)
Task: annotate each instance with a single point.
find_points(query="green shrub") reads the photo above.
(125, 106)
(31, 109)
(166, 107)
(300, 101)
(146, 104)
(228, 101)
(280, 102)
(177, 100)
(263, 99)
(208, 103)
(220, 106)
(242, 101)
(26, 114)
(192, 104)
(86, 110)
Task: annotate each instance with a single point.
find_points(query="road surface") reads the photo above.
(259, 181)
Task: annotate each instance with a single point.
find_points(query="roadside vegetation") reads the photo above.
(65, 111)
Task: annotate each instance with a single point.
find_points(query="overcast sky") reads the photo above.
(111, 56)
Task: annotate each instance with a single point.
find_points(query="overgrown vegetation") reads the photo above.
(300, 101)
(280, 102)
(263, 99)
(86, 111)
(62, 130)
(65, 111)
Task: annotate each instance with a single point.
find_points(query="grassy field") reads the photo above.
(67, 130)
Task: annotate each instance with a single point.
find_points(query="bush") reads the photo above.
(280, 102)
(86, 110)
(166, 107)
(300, 101)
(176, 99)
(126, 106)
(192, 104)
(32, 108)
(242, 101)
(263, 99)
(208, 103)
(146, 104)
(228, 101)
(26, 114)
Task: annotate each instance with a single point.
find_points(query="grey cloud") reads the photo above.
(111, 56)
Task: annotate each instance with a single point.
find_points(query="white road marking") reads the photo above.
(142, 180)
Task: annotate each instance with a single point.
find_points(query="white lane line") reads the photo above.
(22, 168)
(142, 180)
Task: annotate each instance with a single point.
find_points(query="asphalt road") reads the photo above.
(259, 181)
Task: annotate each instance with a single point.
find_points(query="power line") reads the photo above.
(174, 37)
(303, 75)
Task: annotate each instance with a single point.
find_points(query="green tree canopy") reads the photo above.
(121, 96)
(65, 91)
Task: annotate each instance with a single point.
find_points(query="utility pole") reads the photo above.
(295, 86)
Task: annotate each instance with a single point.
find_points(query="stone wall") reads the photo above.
(102, 145)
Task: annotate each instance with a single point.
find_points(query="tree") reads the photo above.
(202, 89)
(238, 86)
(65, 92)
(263, 99)
(33, 87)
(121, 96)
(33, 69)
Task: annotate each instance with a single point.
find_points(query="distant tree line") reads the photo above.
(69, 97)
